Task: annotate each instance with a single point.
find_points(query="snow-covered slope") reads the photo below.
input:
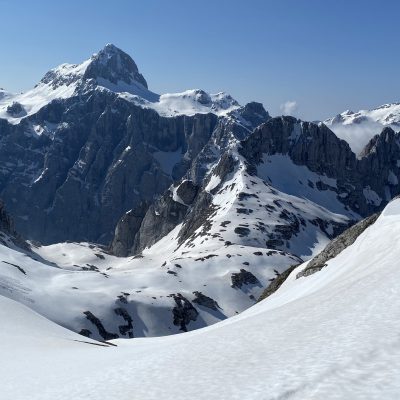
(331, 335)
(240, 233)
(110, 69)
(357, 128)
(160, 293)
(190, 102)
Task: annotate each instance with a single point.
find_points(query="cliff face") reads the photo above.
(290, 156)
(9, 237)
(99, 157)
(91, 142)
(364, 184)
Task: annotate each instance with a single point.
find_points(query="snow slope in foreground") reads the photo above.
(332, 335)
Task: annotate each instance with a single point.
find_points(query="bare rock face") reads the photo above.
(136, 230)
(110, 65)
(187, 191)
(160, 219)
(187, 200)
(100, 327)
(8, 234)
(277, 282)
(205, 301)
(183, 312)
(126, 230)
(114, 65)
(337, 245)
(101, 160)
(376, 170)
(6, 223)
(76, 166)
(16, 109)
(243, 278)
(307, 144)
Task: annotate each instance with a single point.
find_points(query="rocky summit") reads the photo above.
(192, 216)
(73, 166)
(163, 213)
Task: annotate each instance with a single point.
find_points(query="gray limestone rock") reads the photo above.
(317, 148)
(126, 230)
(337, 245)
(187, 191)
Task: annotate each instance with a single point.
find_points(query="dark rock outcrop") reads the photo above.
(126, 230)
(100, 327)
(8, 234)
(205, 301)
(183, 312)
(337, 245)
(243, 278)
(277, 282)
(126, 329)
(321, 151)
(187, 191)
(16, 109)
(99, 160)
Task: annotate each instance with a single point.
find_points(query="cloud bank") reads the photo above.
(357, 135)
(289, 108)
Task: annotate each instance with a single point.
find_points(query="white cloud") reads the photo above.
(289, 107)
(357, 135)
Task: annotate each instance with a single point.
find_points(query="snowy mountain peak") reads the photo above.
(113, 70)
(357, 128)
(109, 66)
(113, 65)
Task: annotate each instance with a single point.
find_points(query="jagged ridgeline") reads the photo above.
(196, 203)
(90, 142)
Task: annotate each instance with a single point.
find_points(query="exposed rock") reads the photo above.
(337, 245)
(183, 312)
(8, 234)
(198, 217)
(164, 214)
(187, 191)
(277, 282)
(243, 278)
(114, 65)
(15, 266)
(126, 230)
(97, 323)
(225, 166)
(255, 113)
(205, 301)
(126, 329)
(6, 223)
(85, 332)
(102, 164)
(274, 243)
(241, 231)
(16, 109)
(317, 148)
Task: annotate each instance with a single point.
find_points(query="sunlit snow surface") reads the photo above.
(357, 128)
(69, 279)
(67, 80)
(332, 335)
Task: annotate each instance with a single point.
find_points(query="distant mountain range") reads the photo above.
(357, 128)
(151, 214)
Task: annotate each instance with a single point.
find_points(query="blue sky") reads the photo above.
(326, 55)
